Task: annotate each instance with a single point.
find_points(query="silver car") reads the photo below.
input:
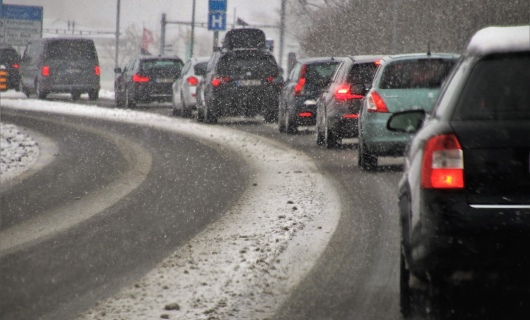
(185, 87)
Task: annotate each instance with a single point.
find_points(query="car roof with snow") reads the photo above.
(500, 39)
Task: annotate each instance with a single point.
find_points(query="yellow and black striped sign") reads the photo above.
(3, 79)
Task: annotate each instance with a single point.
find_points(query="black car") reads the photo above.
(300, 91)
(338, 107)
(146, 79)
(10, 59)
(61, 65)
(464, 197)
(242, 78)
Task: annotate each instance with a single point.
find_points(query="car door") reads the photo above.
(288, 88)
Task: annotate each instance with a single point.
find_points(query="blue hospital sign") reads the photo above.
(217, 21)
(217, 5)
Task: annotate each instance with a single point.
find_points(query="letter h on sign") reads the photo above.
(217, 21)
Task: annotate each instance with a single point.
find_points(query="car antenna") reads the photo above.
(429, 48)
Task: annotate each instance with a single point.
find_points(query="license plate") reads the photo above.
(164, 80)
(249, 82)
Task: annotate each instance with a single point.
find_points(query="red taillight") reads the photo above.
(140, 79)
(270, 79)
(443, 163)
(192, 81)
(299, 87)
(217, 81)
(343, 92)
(15, 65)
(301, 82)
(377, 62)
(305, 114)
(45, 71)
(97, 70)
(375, 103)
(351, 116)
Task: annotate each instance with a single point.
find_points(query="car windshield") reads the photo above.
(167, 64)
(416, 73)
(498, 89)
(71, 50)
(9, 55)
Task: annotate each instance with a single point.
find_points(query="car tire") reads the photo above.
(331, 140)
(366, 160)
(93, 94)
(129, 102)
(185, 111)
(319, 137)
(76, 95)
(24, 90)
(290, 126)
(281, 121)
(209, 117)
(41, 94)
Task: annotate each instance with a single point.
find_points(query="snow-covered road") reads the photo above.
(244, 265)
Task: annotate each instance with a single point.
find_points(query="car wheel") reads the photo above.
(129, 102)
(331, 140)
(93, 94)
(366, 160)
(75, 95)
(319, 136)
(185, 111)
(281, 121)
(290, 126)
(41, 94)
(24, 89)
(208, 116)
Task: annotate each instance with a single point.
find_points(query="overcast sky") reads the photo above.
(101, 14)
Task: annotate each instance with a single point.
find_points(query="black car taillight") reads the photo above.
(443, 163)
(45, 71)
(301, 82)
(217, 81)
(343, 93)
(138, 78)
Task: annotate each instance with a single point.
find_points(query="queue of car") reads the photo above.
(462, 123)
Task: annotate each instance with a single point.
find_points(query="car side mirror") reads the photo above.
(409, 121)
(117, 70)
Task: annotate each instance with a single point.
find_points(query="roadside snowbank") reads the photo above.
(244, 265)
(18, 151)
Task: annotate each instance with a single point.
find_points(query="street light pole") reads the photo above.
(117, 35)
(282, 31)
(192, 29)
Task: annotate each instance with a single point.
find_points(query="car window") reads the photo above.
(295, 73)
(236, 64)
(321, 72)
(71, 50)
(362, 73)
(498, 88)
(9, 55)
(200, 68)
(417, 73)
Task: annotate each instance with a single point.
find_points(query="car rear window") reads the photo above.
(362, 73)
(320, 72)
(9, 55)
(168, 64)
(416, 74)
(498, 88)
(240, 64)
(200, 68)
(71, 50)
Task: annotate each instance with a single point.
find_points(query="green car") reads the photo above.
(402, 82)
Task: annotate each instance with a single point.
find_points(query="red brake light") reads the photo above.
(45, 71)
(220, 80)
(375, 103)
(305, 114)
(97, 70)
(141, 79)
(377, 62)
(270, 79)
(301, 82)
(192, 81)
(343, 92)
(351, 116)
(443, 163)
(16, 65)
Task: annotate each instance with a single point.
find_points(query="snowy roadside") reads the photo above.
(244, 265)
(19, 151)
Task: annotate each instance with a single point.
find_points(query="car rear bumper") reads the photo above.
(456, 235)
(243, 101)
